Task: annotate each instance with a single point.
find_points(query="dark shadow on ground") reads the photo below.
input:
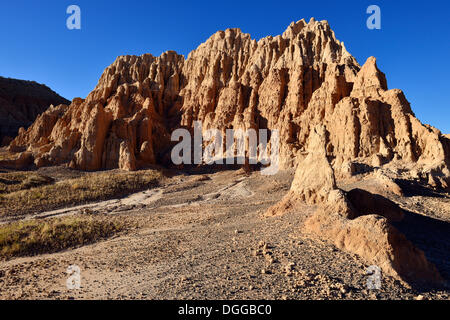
(430, 235)
(233, 164)
(414, 188)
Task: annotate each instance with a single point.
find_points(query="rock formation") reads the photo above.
(376, 241)
(314, 177)
(356, 221)
(124, 121)
(20, 103)
(292, 82)
(333, 117)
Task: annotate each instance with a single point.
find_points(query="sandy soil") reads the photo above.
(203, 236)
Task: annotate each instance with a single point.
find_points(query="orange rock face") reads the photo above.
(119, 124)
(292, 82)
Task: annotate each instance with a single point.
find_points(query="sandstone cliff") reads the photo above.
(21, 102)
(292, 82)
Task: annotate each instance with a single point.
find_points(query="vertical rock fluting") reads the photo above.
(236, 82)
(122, 122)
(292, 82)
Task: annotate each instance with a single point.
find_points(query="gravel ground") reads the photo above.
(203, 236)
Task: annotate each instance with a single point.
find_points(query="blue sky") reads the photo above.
(412, 47)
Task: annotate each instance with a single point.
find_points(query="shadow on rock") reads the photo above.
(430, 235)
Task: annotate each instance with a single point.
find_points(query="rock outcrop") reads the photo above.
(375, 240)
(314, 178)
(20, 103)
(292, 82)
(356, 221)
(120, 124)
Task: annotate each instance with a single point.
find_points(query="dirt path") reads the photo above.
(201, 237)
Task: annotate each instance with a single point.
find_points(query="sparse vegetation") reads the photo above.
(29, 192)
(26, 238)
(5, 155)
(16, 181)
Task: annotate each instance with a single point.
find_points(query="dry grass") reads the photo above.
(5, 155)
(26, 238)
(28, 192)
(16, 181)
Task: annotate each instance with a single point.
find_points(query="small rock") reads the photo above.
(265, 271)
(289, 267)
(271, 260)
(257, 253)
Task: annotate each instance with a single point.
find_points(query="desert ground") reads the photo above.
(203, 234)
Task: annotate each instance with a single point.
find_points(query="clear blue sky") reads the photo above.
(412, 48)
